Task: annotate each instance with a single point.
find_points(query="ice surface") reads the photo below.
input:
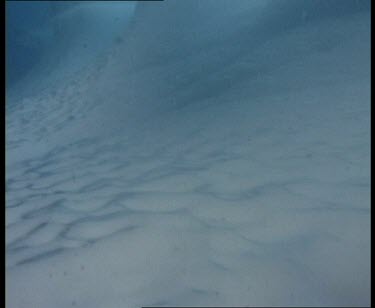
(230, 168)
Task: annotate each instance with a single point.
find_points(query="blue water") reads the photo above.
(188, 153)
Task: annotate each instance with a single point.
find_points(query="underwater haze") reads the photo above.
(187, 153)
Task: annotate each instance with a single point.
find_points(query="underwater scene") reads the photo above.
(187, 153)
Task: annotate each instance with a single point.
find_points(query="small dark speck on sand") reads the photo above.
(118, 40)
